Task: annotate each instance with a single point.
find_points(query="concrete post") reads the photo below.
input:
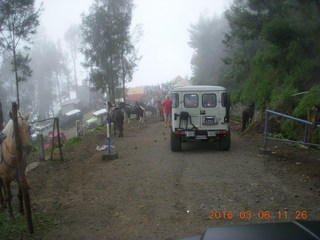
(78, 128)
(100, 117)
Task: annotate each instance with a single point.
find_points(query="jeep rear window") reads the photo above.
(175, 100)
(191, 100)
(209, 100)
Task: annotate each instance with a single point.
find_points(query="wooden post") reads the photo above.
(59, 142)
(41, 155)
(22, 183)
(54, 125)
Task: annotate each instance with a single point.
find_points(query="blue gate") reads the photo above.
(266, 138)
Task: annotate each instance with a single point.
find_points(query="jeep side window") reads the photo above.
(175, 100)
(191, 100)
(209, 100)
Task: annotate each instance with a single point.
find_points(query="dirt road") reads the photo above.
(152, 193)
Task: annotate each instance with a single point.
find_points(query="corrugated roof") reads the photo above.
(71, 101)
(74, 111)
(99, 112)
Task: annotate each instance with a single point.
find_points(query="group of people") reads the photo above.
(165, 110)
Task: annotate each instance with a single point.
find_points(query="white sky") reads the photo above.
(164, 43)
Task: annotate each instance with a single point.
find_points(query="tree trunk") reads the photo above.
(16, 74)
(68, 87)
(59, 90)
(112, 95)
(1, 117)
(123, 80)
(75, 72)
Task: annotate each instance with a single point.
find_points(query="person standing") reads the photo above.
(160, 108)
(167, 109)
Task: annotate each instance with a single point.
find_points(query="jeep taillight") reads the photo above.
(178, 132)
(222, 132)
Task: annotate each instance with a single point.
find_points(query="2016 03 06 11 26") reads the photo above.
(263, 214)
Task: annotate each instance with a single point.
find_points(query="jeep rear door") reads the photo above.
(210, 110)
(190, 104)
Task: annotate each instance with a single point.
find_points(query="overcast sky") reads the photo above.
(164, 23)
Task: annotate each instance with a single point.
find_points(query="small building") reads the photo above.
(69, 105)
(180, 82)
(136, 94)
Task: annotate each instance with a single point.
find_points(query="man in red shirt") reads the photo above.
(167, 109)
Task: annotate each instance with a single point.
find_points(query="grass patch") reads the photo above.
(34, 149)
(236, 117)
(18, 229)
(72, 141)
(54, 146)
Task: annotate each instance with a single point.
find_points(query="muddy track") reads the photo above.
(152, 193)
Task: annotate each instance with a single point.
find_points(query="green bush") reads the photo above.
(316, 136)
(72, 141)
(34, 149)
(282, 100)
(292, 130)
(308, 100)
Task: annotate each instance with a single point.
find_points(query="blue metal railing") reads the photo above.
(266, 138)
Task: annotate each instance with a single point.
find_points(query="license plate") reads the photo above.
(189, 133)
(209, 121)
(211, 133)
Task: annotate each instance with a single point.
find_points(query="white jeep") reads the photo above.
(200, 113)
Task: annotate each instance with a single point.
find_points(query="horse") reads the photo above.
(247, 115)
(137, 109)
(116, 116)
(152, 110)
(9, 167)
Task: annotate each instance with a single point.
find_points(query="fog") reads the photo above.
(164, 24)
(163, 38)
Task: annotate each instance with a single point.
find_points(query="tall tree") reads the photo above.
(50, 75)
(277, 42)
(106, 43)
(72, 37)
(206, 39)
(18, 21)
(7, 89)
(129, 58)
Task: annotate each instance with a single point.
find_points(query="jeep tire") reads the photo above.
(175, 141)
(225, 142)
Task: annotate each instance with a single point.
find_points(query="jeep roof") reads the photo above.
(199, 88)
